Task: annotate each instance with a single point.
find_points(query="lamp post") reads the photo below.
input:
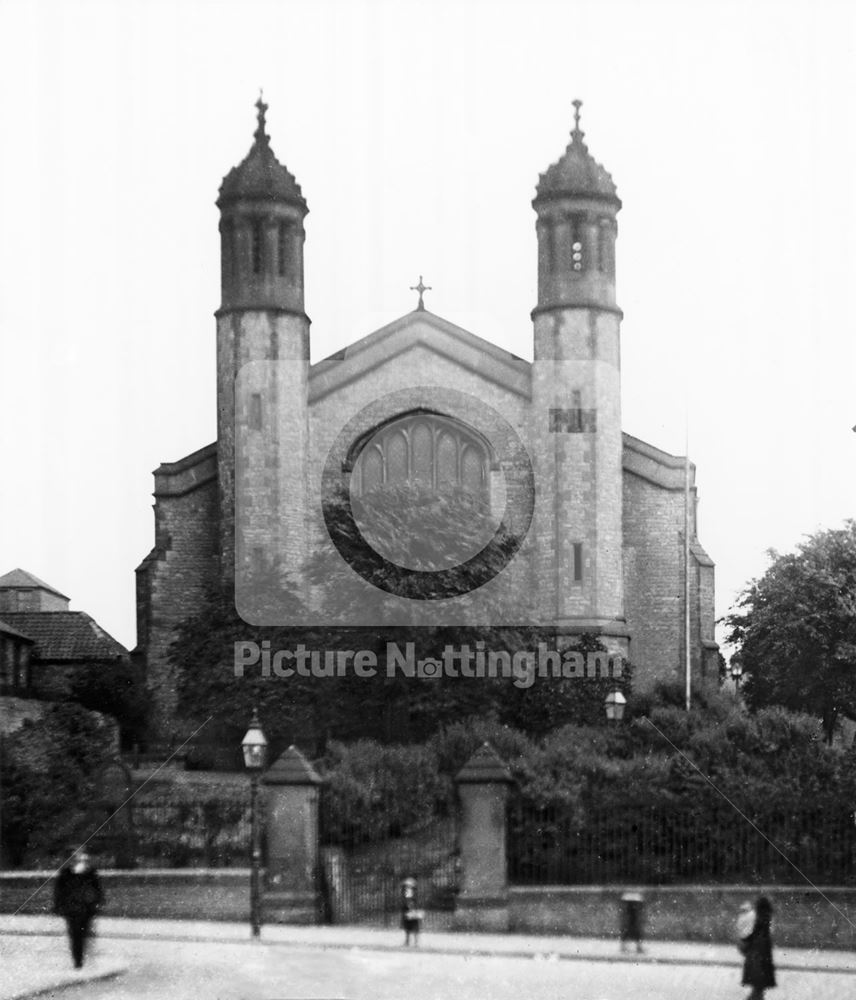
(254, 745)
(614, 704)
(736, 670)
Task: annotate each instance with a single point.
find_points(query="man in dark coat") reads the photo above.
(758, 970)
(77, 896)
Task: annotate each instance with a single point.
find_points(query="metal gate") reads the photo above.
(362, 871)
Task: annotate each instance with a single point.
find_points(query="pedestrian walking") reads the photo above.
(77, 896)
(757, 947)
(632, 905)
(745, 923)
(411, 915)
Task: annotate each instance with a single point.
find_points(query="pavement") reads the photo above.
(19, 979)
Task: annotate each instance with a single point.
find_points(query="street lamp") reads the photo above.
(614, 704)
(254, 745)
(736, 670)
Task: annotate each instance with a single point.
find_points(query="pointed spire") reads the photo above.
(577, 172)
(577, 135)
(260, 174)
(260, 135)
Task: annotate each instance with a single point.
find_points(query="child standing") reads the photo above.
(411, 916)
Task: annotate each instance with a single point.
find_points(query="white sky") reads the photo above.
(417, 131)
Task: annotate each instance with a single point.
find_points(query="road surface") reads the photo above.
(254, 971)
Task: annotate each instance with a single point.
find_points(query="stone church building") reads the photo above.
(422, 400)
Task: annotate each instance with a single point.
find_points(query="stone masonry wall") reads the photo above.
(621, 498)
(654, 587)
(382, 388)
(579, 463)
(270, 494)
(652, 520)
(803, 918)
(171, 585)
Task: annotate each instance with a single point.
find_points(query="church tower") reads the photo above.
(576, 397)
(262, 362)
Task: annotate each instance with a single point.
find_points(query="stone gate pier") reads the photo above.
(483, 791)
(292, 890)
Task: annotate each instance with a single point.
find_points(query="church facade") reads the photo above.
(600, 513)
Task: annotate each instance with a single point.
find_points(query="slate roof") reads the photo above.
(21, 578)
(577, 173)
(8, 630)
(260, 175)
(65, 635)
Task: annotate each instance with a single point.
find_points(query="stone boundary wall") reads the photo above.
(802, 917)
(162, 894)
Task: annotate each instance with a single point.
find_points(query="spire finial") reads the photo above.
(577, 132)
(260, 134)
(422, 289)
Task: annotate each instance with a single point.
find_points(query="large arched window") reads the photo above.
(425, 449)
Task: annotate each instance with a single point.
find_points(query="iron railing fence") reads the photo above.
(551, 845)
(368, 848)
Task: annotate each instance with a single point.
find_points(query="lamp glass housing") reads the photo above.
(254, 745)
(614, 704)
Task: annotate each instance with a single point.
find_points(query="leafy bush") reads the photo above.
(375, 791)
(48, 769)
(118, 690)
(182, 829)
(453, 745)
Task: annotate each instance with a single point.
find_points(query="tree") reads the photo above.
(795, 629)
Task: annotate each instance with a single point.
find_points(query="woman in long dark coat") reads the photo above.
(77, 896)
(758, 970)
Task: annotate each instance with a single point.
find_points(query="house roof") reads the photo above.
(8, 630)
(65, 635)
(21, 578)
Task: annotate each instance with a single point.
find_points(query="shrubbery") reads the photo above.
(766, 764)
(47, 773)
(120, 691)
(182, 829)
(375, 791)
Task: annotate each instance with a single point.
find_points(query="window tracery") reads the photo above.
(425, 449)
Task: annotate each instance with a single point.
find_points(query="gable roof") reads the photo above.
(420, 328)
(65, 635)
(21, 578)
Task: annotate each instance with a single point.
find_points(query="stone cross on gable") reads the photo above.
(421, 289)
